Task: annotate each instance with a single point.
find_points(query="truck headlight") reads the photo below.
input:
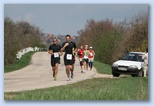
(114, 65)
(132, 66)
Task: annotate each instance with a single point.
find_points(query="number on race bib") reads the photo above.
(56, 54)
(69, 56)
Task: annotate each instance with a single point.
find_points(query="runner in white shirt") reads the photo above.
(85, 59)
(145, 58)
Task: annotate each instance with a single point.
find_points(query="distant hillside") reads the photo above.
(48, 38)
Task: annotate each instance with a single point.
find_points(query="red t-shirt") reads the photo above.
(81, 53)
(91, 54)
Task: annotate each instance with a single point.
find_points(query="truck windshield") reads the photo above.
(132, 57)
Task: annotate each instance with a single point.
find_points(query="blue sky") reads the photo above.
(69, 18)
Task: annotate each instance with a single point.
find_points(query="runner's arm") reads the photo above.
(60, 52)
(50, 50)
(64, 46)
(75, 49)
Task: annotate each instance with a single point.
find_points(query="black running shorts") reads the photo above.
(54, 62)
(86, 60)
(68, 62)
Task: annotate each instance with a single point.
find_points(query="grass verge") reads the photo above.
(92, 89)
(23, 62)
(102, 67)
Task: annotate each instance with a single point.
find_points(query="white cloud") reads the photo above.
(29, 17)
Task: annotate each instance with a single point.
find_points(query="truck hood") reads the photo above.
(128, 63)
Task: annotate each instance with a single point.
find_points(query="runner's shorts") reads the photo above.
(54, 61)
(86, 60)
(68, 61)
(81, 61)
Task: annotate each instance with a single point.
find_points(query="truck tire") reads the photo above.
(115, 74)
(134, 75)
(141, 73)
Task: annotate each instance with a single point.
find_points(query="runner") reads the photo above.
(145, 66)
(68, 57)
(91, 58)
(72, 70)
(81, 55)
(85, 59)
(55, 52)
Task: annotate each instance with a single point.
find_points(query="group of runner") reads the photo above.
(86, 57)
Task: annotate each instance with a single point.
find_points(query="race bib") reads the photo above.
(69, 57)
(56, 54)
(91, 60)
(80, 59)
(91, 54)
(85, 57)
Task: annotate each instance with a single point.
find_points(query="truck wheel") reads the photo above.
(115, 74)
(141, 73)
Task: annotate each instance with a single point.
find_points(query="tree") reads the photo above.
(19, 35)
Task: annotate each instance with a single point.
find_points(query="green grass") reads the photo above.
(23, 62)
(102, 67)
(92, 89)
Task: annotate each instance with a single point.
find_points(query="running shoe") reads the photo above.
(68, 79)
(55, 79)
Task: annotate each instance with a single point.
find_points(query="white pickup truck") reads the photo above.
(132, 64)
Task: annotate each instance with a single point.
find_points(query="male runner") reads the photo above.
(54, 50)
(68, 57)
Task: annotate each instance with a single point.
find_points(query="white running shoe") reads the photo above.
(68, 79)
(86, 71)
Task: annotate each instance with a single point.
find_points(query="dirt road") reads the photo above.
(39, 75)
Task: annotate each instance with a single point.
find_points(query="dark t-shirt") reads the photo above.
(55, 49)
(69, 48)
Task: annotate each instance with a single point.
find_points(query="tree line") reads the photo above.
(19, 35)
(112, 40)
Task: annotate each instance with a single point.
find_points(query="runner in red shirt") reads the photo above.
(81, 55)
(91, 57)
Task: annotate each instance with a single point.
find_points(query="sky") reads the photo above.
(62, 19)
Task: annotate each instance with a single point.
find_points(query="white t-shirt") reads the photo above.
(145, 58)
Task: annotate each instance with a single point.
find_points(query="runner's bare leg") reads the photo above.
(53, 69)
(56, 69)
